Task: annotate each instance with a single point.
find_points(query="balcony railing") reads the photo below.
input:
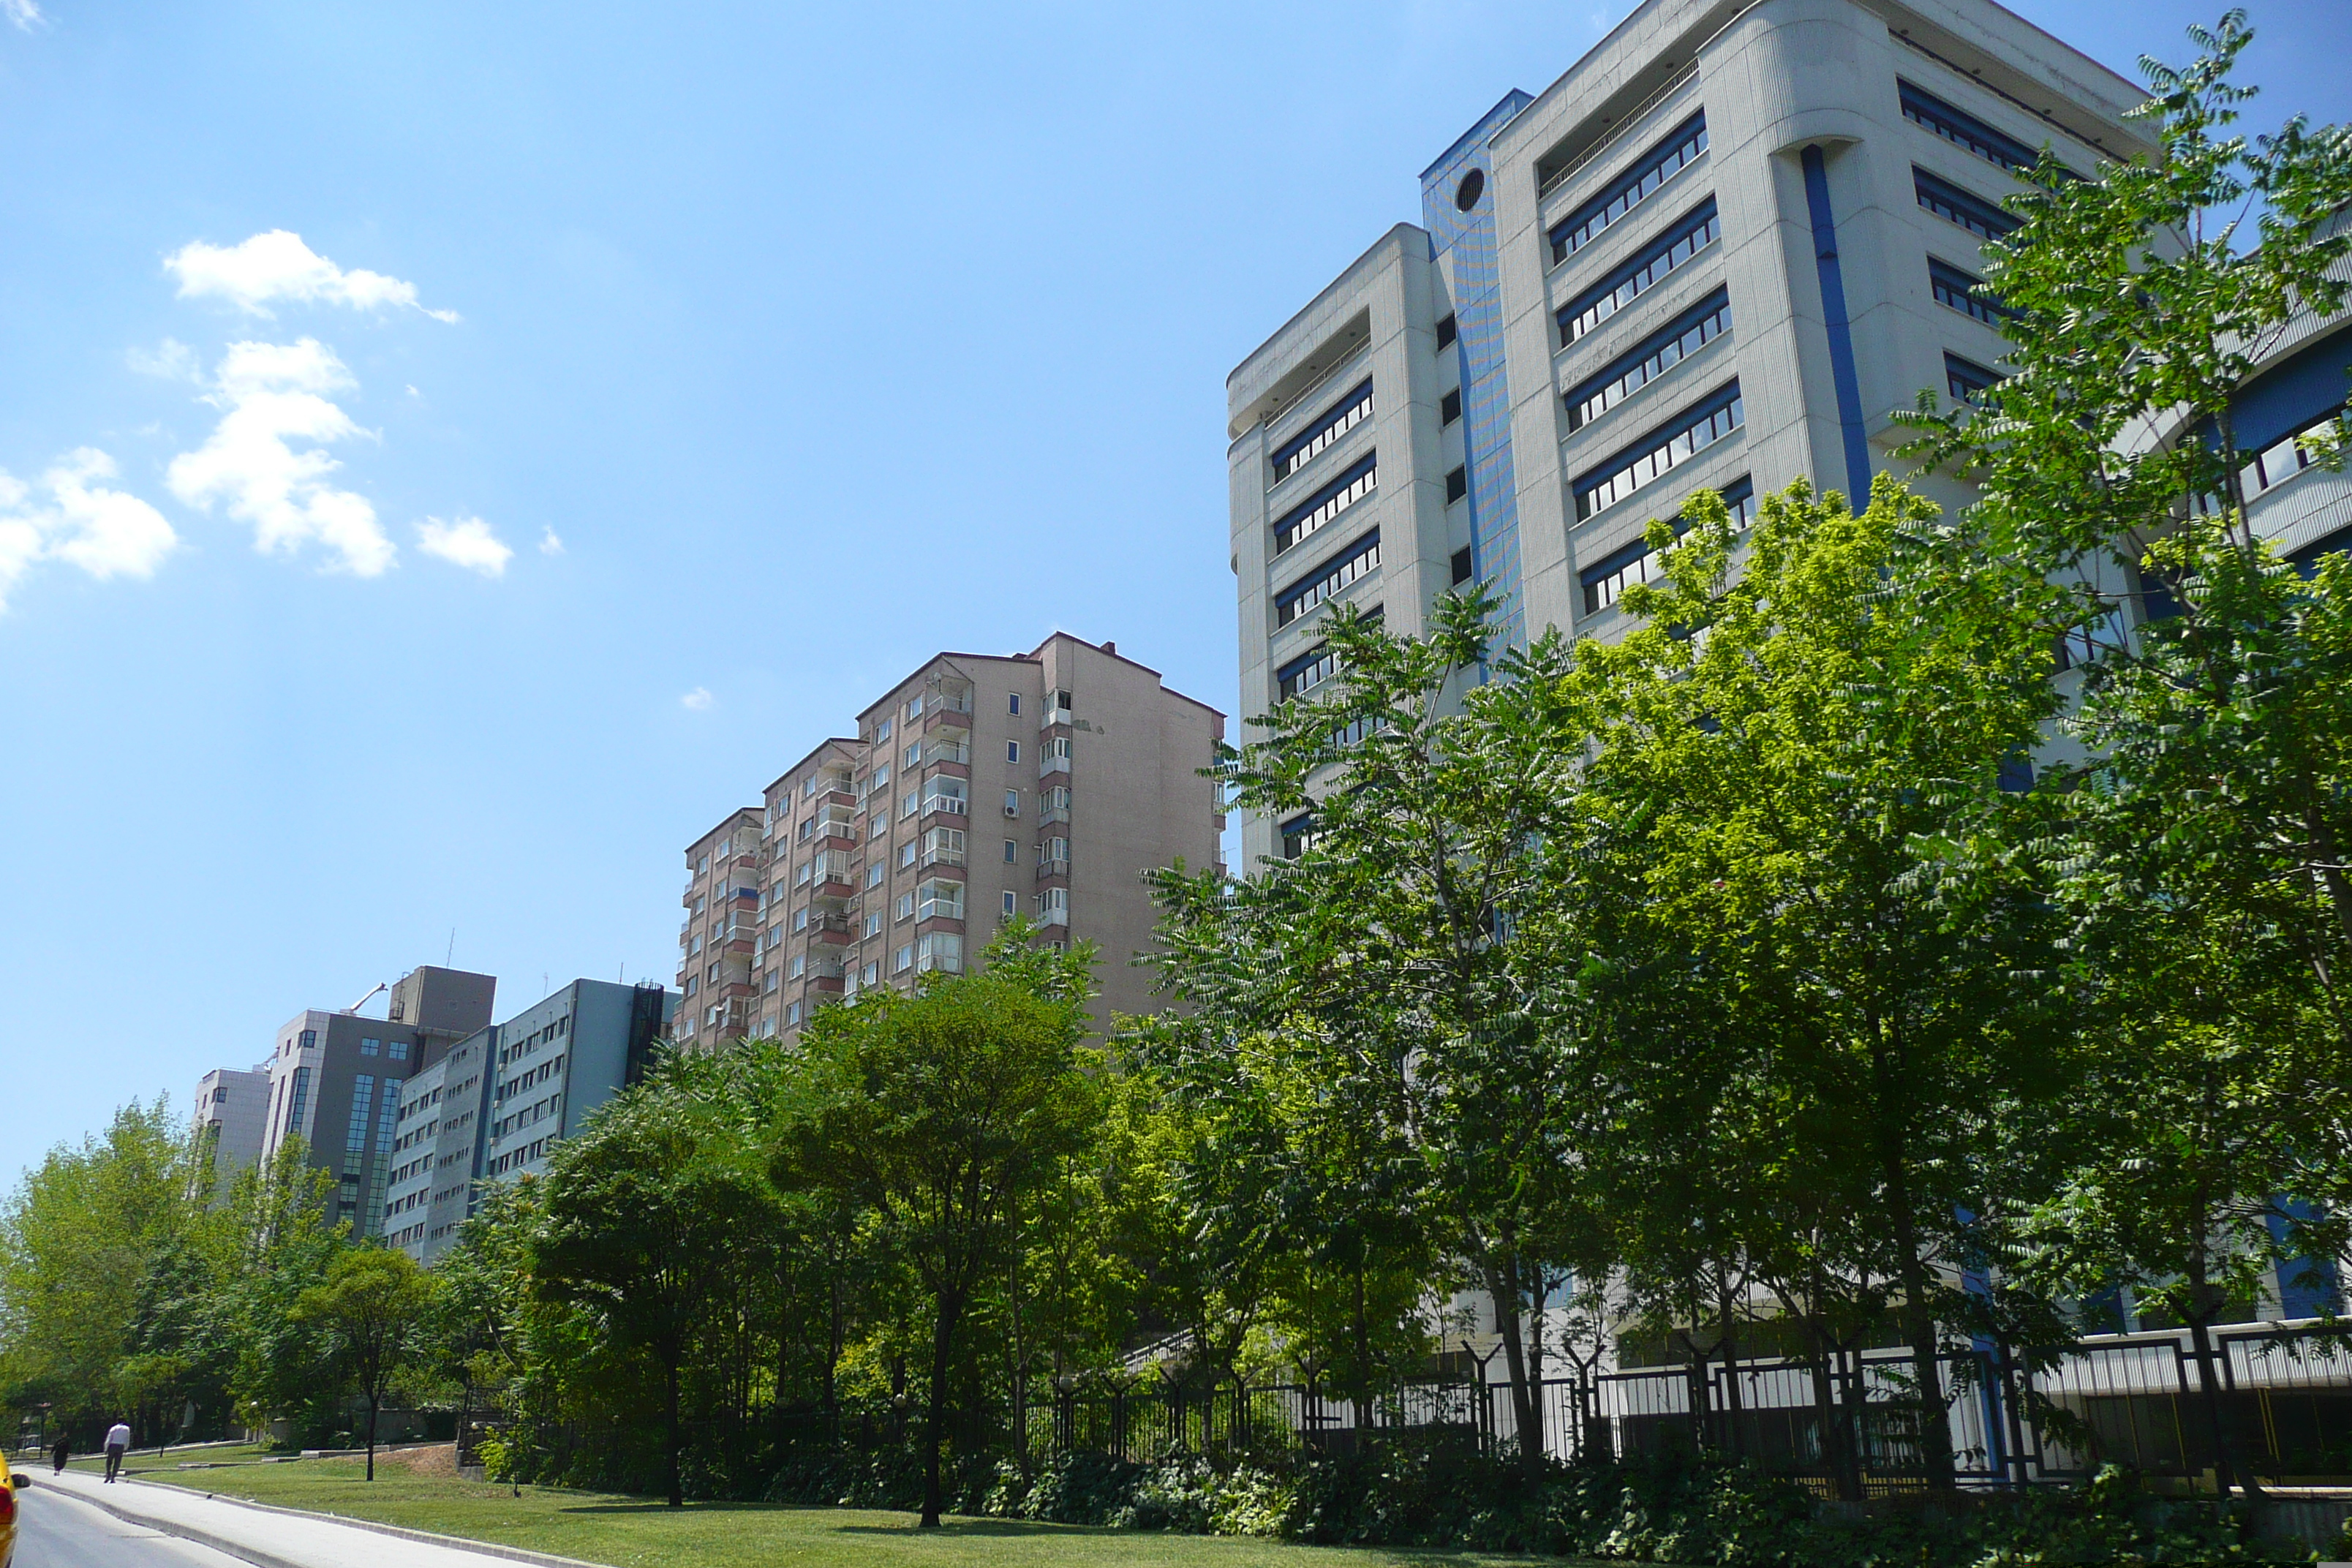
(953, 804)
(943, 856)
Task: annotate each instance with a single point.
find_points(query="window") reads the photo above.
(1446, 330)
(1012, 751)
(1463, 566)
(1457, 485)
(1664, 159)
(1012, 904)
(1059, 701)
(808, 792)
(1012, 803)
(877, 826)
(1606, 581)
(940, 949)
(1298, 835)
(914, 754)
(1961, 129)
(1328, 426)
(792, 1013)
(1963, 292)
(881, 777)
(905, 907)
(914, 708)
(1966, 378)
(798, 966)
(1686, 237)
(882, 731)
(1053, 906)
(907, 803)
(945, 795)
(1309, 591)
(1953, 205)
(1360, 480)
(875, 873)
(1012, 851)
(396, 1050)
(869, 975)
(1055, 749)
(1649, 359)
(1053, 855)
(907, 853)
(355, 1131)
(943, 847)
(1687, 434)
(940, 899)
(801, 875)
(799, 920)
(903, 960)
(371, 1047)
(873, 926)
(1449, 407)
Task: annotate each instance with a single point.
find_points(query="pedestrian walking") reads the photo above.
(118, 1442)
(60, 1451)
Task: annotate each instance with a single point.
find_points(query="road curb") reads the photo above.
(266, 1560)
(259, 1559)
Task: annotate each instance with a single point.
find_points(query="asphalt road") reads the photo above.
(53, 1530)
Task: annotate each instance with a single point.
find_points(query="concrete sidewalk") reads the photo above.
(283, 1538)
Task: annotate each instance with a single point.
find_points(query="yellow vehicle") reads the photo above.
(9, 1482)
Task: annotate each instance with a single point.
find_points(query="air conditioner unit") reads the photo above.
(1012, 811)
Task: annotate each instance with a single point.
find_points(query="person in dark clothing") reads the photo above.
(60, 1451)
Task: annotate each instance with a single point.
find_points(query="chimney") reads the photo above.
(1110, 648)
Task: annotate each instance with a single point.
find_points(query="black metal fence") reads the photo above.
(1851, 1421)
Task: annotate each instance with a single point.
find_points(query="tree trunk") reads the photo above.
(1833, 1422)
(670, 1380)
(935, 1418)
(375, 1402)
(1503, 1286)
(1732, 1441)
(1363, 1399)
(1934, 1430)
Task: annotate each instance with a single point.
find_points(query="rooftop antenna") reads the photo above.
(451, 956)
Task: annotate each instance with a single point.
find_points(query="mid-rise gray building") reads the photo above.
(493, 1106)
(336, 1080)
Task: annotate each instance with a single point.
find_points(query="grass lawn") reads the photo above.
(628, 1531)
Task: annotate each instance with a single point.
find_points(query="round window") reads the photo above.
(1473, 186)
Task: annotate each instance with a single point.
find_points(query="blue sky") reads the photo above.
(623, 397)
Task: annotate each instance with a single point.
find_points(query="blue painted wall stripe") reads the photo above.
(1841, 369)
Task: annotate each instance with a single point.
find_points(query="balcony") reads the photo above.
(829, 931)
(1049, 814)
(1049, 764)
(835, 823)
(1053, 716)
(947, 804)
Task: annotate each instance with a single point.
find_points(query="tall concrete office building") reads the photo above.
(1718, 252)
(494, 1106)
(1043, 784)
(336, 1079)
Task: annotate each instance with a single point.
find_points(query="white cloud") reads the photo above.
(170, 360)
(276, 266)
(106, 533)
(272, 395)
(26, 14)
(548, 544)
(697, 699)
(466, 542)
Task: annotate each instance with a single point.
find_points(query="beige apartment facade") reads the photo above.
(1044, 785)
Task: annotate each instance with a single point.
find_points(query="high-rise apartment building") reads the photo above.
(494, 1106)
(1719, 252)
(232, 1112)
(336, 1080)
(1042, 784)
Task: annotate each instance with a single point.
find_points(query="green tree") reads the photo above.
(941, 1114)
(79, 1243)
(375, 1307)
(646, 1211)
(1411, 958)
(1804, 764)
(2208, 890)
